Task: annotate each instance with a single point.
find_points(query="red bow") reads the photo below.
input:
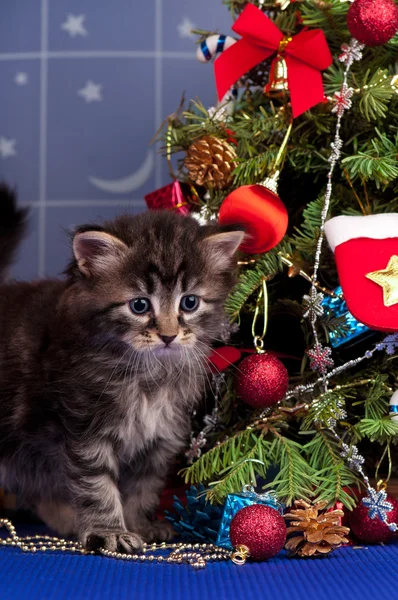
(306, 55)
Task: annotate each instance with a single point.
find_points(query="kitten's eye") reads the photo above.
(189, 303)
(140, 306)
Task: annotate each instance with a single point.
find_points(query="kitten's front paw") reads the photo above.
(158, 531)
(113, 541)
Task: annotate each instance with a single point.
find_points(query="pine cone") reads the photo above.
(314, 532)
(210, 162)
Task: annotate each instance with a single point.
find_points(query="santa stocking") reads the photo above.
(366, 253)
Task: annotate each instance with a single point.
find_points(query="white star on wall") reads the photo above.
(91, 92)
(7, 147)
(184, 28)
(74, 25)
(21, 78)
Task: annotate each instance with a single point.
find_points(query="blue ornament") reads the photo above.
(197, 520)
(337, 307)
(234, 503)
(394, 406)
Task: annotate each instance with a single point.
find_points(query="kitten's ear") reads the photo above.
(222, 246)
(95, 251)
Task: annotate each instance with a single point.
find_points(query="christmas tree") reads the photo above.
(306, 130)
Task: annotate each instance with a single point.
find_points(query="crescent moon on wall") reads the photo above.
(129, 183)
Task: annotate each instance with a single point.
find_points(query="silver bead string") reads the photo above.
(302, 389)
(376, 501)
(196, 555)
(388, 344)
(350, 53)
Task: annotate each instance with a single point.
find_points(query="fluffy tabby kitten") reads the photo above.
(99, 372)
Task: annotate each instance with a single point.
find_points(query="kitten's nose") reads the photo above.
(167, 339)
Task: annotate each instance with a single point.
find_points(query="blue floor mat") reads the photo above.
(364, 573)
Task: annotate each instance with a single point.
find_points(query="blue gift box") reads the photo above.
(234, 503)
(337, 307)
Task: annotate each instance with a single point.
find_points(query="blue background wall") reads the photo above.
(84, 86)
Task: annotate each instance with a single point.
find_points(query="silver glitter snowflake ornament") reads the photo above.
(351, 454)
(195, 448)
(210, 421)
(337, 414)
(342, 100)
(351, 52)
(320, 358)
(312, 304)
(389, 344)
(377, 504)
(336, 147)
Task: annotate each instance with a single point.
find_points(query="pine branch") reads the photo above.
(377, 399)
(376, 94)
(267, 265)
(332, 475)
(333, 78)
(376, 160)
(295, 476)
(337, 325)
(328, 15)
(329, 406)
(219, 457)
(330, 483)
(377, 430)
(257, 168)
(239, 473)
(305, 238)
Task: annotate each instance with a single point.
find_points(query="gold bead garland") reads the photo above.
(196, 555)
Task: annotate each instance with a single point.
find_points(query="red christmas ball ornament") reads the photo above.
(261, 212)
(372, 531)
(373, 22)
(261, 529)
(262, 380)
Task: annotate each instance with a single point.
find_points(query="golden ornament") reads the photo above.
(388, 279)
(210, 162)
(278, 86)
(313, 532)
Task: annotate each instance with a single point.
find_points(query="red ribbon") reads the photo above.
(306, 55)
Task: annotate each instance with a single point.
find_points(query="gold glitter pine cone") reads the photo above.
(210, 162)
(312, 532)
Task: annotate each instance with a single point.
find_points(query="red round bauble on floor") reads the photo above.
(261, 212)
(372, 531)
(373, 22)
(262, 380)
(261, 529)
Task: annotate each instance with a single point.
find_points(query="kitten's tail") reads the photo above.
(12, 227)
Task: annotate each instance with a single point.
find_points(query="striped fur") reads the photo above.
(93, 405)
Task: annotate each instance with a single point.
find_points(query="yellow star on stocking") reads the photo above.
(388, 279)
